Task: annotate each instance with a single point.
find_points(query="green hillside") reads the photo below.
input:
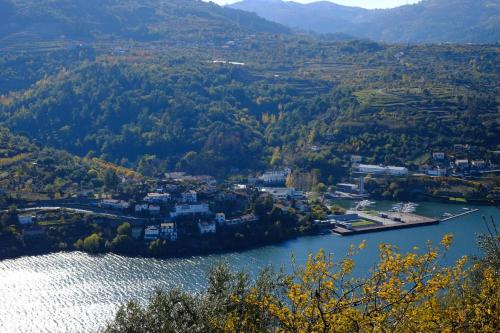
(392, 104)
(28, 171)
(50, 24)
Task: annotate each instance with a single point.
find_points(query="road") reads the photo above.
(83, 206)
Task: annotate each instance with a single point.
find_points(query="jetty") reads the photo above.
(385, 221)
(382, 221)
(469, 211)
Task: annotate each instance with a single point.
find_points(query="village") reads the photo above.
(179, 208)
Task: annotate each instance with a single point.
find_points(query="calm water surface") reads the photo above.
(75, 292)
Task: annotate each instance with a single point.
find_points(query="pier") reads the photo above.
(393, 220)
(386, 221)
(470, 211)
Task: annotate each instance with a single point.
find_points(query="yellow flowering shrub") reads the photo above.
(405, 293)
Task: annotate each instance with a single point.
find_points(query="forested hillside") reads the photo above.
(28, 170)
(430, 21)
(304, 103)
(53, 23)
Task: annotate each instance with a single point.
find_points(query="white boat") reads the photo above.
(364, 204)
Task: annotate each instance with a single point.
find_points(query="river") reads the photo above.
(76, 292)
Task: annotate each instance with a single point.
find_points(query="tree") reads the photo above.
(92, 243)
(122, 243)
(111, 180)
(408, 292)
(124, 229)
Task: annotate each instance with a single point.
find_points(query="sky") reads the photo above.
(358, 3)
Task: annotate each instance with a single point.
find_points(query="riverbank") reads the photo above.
(73, 292)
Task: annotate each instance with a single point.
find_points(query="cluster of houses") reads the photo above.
(168, 207)
(442, 164)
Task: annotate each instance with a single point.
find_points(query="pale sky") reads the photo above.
(357, 3)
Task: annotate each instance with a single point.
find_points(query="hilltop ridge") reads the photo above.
(429, 21)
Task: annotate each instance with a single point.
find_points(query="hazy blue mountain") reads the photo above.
(462, 21)
(54, 20)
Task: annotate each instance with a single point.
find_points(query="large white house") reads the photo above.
(275, 176)
(438, 156)
(283, 193)
(168, 231)
(189, 197)
(157, 197)
(151, 233)
(187, 209)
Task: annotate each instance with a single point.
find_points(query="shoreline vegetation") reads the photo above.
(406, 292)
(96, 234)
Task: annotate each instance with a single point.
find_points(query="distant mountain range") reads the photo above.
(140, 20)
(459, 21)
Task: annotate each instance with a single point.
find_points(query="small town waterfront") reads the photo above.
(76, 292)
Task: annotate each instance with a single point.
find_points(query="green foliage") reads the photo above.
(404, 292)
(111, 180)
(92, 243)
(145, 20)
(124, 229)
(30, 171)
(186, 114)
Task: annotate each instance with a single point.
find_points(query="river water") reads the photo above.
(76, 292)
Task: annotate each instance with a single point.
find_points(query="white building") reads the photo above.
(151, 233)
(141, 207)
(220, 218)
(25, 219)
(347, 188)
(187, 209)
(437, 172)
(152, 209)
(249, 218)
(462, 164)
(283, 193)
(356, 159)
(189, 197)
(113, 204)
(275, 176)
(157, 197)
(207, 227)
(168, 231)
(438, 156)
(478, 164)
(382, 170)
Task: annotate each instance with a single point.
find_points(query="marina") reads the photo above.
(385, 221)
(400, 216)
